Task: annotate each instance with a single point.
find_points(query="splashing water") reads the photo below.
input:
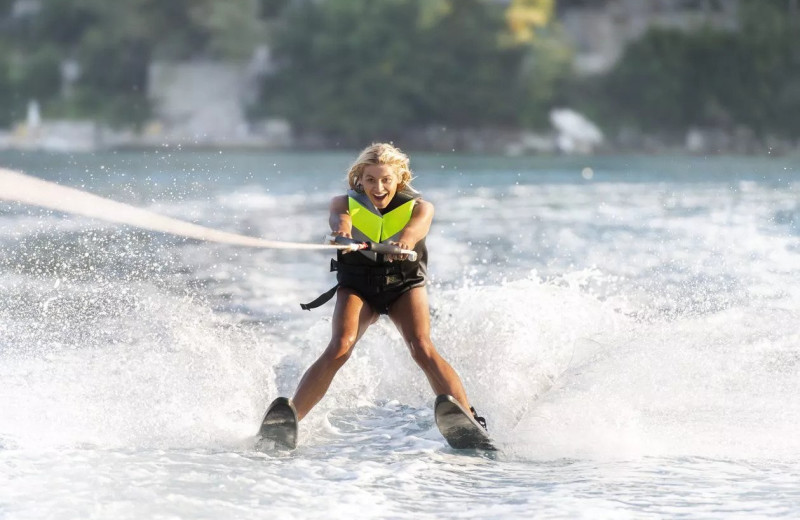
(632, 330)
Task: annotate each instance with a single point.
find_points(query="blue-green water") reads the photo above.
(626, 324)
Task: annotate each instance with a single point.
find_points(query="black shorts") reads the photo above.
(380, 287)
(383, 300)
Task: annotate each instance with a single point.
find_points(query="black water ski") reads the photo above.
(458, 426)
(280, 423)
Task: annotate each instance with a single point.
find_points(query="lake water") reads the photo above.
(627, 325)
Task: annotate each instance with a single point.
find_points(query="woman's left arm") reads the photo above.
(418, 226)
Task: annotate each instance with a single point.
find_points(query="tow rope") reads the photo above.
(18, 187)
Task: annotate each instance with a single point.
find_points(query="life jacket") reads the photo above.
(370, 224)
(367, 272)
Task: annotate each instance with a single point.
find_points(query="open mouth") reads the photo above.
(380, 198)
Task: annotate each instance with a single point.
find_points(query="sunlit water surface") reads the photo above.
(627, 325)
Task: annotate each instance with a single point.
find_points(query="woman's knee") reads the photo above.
(339, 350)
(422, 350)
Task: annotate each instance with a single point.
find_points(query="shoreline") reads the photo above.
(471, 141)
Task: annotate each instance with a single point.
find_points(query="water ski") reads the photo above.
(458, 426)
(280, 423)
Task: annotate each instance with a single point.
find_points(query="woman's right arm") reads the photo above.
(339, 220)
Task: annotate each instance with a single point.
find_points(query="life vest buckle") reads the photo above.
(391, 279)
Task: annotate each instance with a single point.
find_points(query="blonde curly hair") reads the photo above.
(380, 154)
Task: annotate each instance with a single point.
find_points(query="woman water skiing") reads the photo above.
(381, 206)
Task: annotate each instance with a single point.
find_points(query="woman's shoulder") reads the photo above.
(423, 205)
(339, 202)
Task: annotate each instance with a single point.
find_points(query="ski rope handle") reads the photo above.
(385, 249)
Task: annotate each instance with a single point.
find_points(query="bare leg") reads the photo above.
(351, 317)
(411, 314)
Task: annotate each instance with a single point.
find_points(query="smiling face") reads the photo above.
(380, 182)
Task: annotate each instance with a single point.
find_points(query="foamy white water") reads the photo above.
(631, 339)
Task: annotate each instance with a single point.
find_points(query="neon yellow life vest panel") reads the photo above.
(377, 227)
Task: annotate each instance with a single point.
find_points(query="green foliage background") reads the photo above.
(112, 43)
(354, 70)
(670, 80)
(360, 69)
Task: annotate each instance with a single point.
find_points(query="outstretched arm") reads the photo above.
(340, 221)
(418, 226)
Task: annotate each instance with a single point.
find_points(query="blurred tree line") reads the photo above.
(90, 58)
(361, 69)
(670, 80)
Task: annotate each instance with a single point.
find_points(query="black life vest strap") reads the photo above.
(325, 297)
(376, 277)
(321, 300)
